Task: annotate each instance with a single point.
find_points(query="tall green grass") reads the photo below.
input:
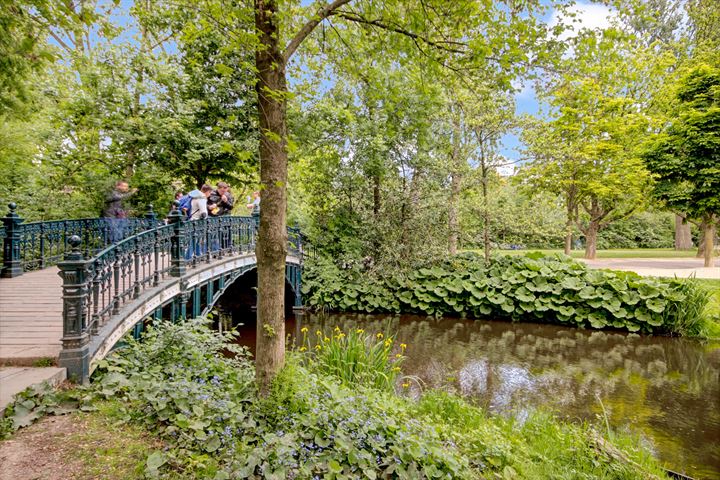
(355, 357)
(689, 316)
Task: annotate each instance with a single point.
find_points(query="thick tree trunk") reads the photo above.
(272, 236)
(701, 240)
(709, 244)
(683, 238)
(591, 240)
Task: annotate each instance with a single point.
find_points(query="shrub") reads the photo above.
(552, 289)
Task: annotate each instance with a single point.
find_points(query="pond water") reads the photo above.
(666, 390)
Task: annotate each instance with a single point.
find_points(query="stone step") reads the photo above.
(14, 380)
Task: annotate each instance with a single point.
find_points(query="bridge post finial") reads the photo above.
(12, 265)
(177, 242)
(76, 274)
(150, 214)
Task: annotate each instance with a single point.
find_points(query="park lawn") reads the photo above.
(614, 253)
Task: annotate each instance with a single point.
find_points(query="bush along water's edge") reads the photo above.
(534, 288)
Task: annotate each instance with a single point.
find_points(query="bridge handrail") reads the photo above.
(36, 245)
(95, 288)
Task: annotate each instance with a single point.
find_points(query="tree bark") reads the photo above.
(455, 183)
(591, 240)
(568, 235)
(486, 217)
(453, 223)
(272, 236)
(701, 239)
(709, 243)
(683, 238)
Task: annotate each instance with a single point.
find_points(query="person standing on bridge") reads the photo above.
(254, 205)
(198, 211)
(220, 201)
(115, 211)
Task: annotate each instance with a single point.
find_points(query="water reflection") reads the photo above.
(666, 389)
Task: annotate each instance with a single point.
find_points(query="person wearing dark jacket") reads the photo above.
(114, 200)
(220, 202)
(115, 211)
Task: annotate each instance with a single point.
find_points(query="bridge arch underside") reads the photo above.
(190, 296)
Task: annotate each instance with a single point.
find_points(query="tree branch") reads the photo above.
(306, 29)
(446, 45)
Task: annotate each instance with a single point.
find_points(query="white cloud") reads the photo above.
(586, 15)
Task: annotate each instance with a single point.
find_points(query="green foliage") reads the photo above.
(684, 156)
(641, 230)
(36, 402)
(552, 289)
(355, 358)
(516, 219)
(312, 424)
(178, 384)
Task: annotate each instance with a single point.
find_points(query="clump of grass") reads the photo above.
(688, 317)
(44, 362)
(355, 357)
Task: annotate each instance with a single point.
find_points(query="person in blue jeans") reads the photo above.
(198, 211)
(114, 210)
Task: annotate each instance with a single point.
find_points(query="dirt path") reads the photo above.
(80, 446)
(658, 267)
(42, 451)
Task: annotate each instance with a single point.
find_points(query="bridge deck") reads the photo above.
(31, 323)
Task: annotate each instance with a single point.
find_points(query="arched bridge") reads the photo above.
(116, 275)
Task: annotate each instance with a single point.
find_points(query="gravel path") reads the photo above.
(659, 267)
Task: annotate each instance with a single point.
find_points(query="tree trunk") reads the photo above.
(701, 239)
(376, 196)
(453, 212)
(591, 240)
(571, 212)
(486, 218)
(683, 238)
(272, 236)
(709, 243)
(455, 183)
(568, 236)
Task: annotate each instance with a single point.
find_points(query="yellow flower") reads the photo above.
(403, 346)
(326, 339)
(405, 385)
(359, 330)
(337, 329)
(397, 355)
(302, 349)
(304, 329)
(396, 369)
(318, 347)
(388, 342)
(340, 335)
(319, 333)
(379, 335)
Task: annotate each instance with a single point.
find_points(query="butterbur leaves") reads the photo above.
(548, 289)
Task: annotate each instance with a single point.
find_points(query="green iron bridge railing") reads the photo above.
(37, 245)
(109, 267)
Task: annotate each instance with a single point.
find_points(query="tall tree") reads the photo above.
(461, 35)
(685, 157)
